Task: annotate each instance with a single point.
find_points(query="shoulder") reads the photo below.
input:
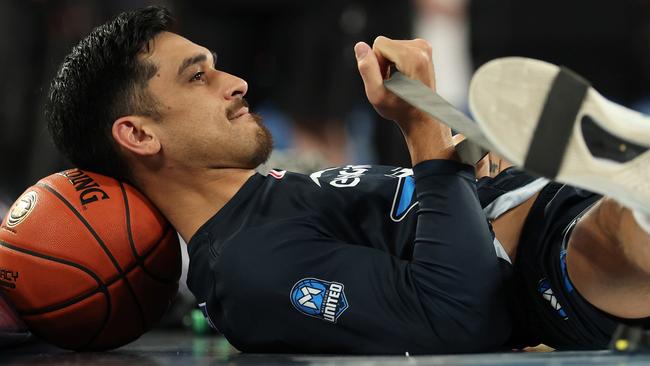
(272, 236)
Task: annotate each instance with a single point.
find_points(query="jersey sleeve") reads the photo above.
(292, 287)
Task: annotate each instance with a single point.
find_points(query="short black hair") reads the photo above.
(101, 80)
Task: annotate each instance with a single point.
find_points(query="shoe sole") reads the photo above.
(507, 97)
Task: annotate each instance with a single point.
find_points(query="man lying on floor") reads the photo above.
(355, 259)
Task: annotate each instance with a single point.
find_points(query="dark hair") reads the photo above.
(101, 80)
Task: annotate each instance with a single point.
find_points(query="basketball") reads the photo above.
(87, 261)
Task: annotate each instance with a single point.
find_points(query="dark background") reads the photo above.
(297, 57)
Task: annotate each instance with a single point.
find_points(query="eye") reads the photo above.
(199, 76)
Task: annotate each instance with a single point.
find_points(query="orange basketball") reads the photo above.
(87, 261)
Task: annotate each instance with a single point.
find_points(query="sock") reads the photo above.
(642, 219)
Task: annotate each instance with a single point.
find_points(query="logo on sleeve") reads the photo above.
(404, 199)
(319, 299)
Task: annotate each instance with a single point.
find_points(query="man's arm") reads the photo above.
(446, 298)
(425, 137)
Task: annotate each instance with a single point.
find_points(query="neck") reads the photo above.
(189, 199)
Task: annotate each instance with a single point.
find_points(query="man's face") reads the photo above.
(205, 121)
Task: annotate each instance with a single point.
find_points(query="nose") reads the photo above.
(235, 87)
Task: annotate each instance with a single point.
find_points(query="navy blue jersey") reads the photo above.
(354, 259)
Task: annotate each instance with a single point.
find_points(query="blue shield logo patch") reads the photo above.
(319, 299)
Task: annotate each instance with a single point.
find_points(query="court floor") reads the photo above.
(166, 348)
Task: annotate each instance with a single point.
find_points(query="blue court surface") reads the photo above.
(183, 348)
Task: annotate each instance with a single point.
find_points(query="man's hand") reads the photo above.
(426, 138)
(412, 58)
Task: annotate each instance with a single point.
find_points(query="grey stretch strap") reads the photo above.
(469, 152)
(421, 97)
(501, 251)
(514, 198)
(510, 200)
(555, 125)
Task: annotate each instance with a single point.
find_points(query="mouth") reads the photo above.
(239, 113)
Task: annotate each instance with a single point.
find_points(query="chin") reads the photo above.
(263, 144)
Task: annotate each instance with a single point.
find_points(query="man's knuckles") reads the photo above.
(380, 40)
(364, 65)
(421, 60)
(411, 57)
(423, 45)
(418, 66)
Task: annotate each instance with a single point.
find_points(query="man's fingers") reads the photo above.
(384, 65)
(411, 57)
(370, 72)
(397, 49)
(390, 49)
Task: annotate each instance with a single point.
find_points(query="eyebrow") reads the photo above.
(192, 60)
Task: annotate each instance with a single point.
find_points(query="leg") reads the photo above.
(551, 122)
(608, 260)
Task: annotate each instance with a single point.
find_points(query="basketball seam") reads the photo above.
(101, 243)
(65, 304)
(141, 258)
(100, 284)
(127, 213)
(85, 223)
(104, 285)
(101, 287)
(165, 281)
(168, 229)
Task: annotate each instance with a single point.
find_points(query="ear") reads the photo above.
(133, 134)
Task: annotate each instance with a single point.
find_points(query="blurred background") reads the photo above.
(297, 57)
(298, 60)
